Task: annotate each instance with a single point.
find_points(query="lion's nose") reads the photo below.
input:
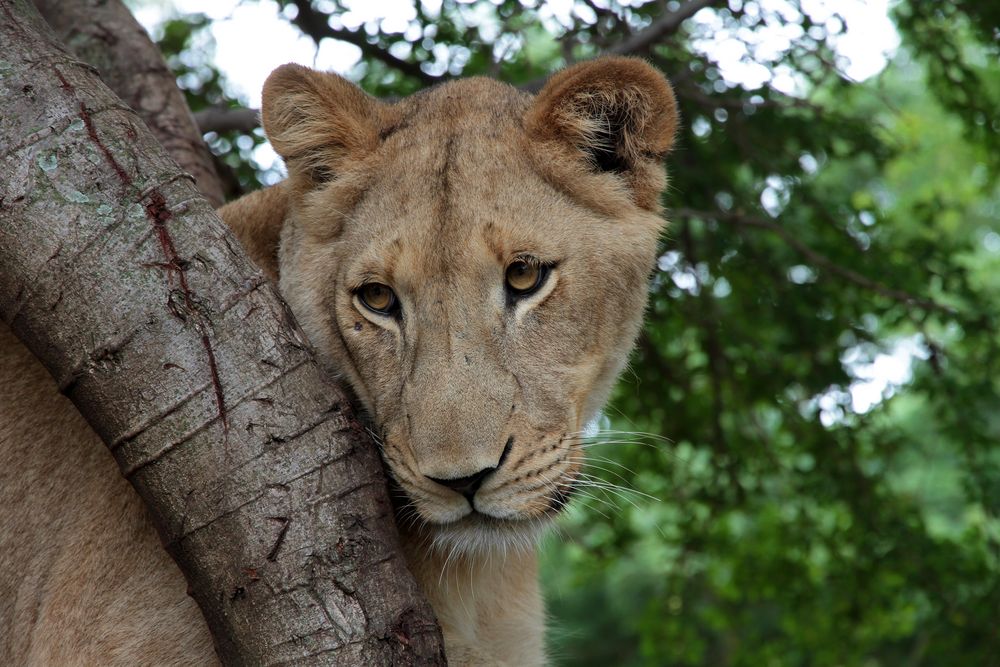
(467, 485)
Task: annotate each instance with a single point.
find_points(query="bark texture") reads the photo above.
(105, 34)
(122, 280)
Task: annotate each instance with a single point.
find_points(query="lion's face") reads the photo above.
(475, 272)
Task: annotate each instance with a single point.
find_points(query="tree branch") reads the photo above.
(817, 258)
(127, 286)
(224, 119)
(665, 25)
(641, 42)
(316, 24)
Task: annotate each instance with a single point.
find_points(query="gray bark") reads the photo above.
(104, 34)
(126, 285)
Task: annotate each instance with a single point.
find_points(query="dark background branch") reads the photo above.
(225, 119)
(317, 25)
(817, 258)
(662, 27)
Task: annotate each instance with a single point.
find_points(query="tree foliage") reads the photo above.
(822, 227)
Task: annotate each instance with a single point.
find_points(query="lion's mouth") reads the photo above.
(549, 506)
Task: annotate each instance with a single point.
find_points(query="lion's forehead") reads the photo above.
(473, 103)
(457, 200)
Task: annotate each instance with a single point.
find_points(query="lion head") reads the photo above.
(474, 261)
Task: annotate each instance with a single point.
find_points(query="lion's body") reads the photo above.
(83, 577)
(478, 391)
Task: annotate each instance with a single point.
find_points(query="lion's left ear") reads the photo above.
(319, 121)
(618, 114)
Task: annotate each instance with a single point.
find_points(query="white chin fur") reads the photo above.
(483, 535)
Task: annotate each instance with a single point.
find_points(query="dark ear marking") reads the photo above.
(602, 149)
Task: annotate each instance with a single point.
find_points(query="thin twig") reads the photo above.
(223, 119)
(817, 258)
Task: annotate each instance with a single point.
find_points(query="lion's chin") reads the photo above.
(475, 532)
(478, 533)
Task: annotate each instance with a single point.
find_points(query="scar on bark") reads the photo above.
(273, 554)
(158, 213)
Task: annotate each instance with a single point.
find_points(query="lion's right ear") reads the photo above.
(616, 115)
(316, 121)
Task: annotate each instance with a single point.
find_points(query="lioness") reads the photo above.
(474, 262)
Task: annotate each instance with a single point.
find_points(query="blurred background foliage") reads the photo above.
(806, 439)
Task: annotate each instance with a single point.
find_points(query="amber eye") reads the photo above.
(377, 298)
(525, 277)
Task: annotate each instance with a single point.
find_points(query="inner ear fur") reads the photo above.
(316, 120)
(617, 114)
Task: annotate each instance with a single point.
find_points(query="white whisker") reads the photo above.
(583, 461)
(618, 487)
(595, 434)
(605, 459)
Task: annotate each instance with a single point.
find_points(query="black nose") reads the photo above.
(467, 486)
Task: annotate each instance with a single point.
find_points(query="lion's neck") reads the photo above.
(488, 605)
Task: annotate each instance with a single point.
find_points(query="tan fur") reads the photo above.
(432, 196)
(83, 577)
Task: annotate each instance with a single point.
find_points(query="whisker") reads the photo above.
(588, 445)
(609, 497)
(605, 459)
(602, 432)
(584, 494)
(551, 485)
(612, 492)
(615, 487)
(583, 461)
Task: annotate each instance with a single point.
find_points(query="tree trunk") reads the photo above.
(121, 279)
(103, 33)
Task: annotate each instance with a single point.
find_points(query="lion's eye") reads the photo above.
(378, 298)
(524, 277)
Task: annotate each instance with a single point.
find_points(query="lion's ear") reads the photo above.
(619, 114)
(316, 120)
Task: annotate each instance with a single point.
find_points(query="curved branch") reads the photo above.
(224, 119)
(316, 25)
(665, 25)
(641, 42)
(818, 258)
